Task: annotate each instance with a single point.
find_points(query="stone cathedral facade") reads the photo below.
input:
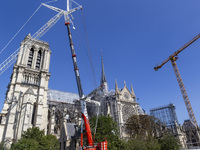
(30, 103)
(26, 98)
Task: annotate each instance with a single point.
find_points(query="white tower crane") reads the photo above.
(77, 75)
(11, 59)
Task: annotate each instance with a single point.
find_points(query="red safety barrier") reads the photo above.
(103, 145)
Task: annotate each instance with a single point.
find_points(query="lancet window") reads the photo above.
(38, 61)
(30, 58)
(33, 114)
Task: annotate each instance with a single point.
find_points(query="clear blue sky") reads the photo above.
(134, 35)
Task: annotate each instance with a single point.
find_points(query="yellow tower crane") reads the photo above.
(173, 59)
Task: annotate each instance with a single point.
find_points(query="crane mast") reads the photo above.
(183, 91)
(173, 59)
(78, 81)
(83, 98)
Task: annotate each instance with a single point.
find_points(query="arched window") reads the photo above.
(38, 59)
(30, 58)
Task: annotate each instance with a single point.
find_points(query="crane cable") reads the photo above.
(20, 29)
(50, 1)
(91, 63)
(80, 44)
(88, 54)
(95, 129)
(75, 3)
(88, 48)
(23, 26)
(82, 47)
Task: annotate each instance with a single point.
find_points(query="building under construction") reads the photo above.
(166, 116)
(192, 134)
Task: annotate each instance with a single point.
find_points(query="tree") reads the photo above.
(135, 144)
(141, 129)
(33, 133)
(50, 142)
(107, 129)
(139, 143)
(169, 142)
(35, 139)
(152, 143)
(28, 144)
(140, 125)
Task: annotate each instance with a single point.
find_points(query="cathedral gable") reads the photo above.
(126, 95)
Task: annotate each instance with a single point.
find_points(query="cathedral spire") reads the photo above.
(133, 93)
(124, 83)
(103, 76)
(116, 87)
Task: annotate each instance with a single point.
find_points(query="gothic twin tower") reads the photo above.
(26, 98)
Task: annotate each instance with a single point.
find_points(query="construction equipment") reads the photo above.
(13, 57)
(173, 59)
(68, 21)
(46, 27)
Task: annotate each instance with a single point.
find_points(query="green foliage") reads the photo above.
(1, 145)
(49, 142)
(28, 144)
(141, 144)
(169, 142)
(107, 129)
(35, 139)
(135, 144)
(152, 144)
(33, 133)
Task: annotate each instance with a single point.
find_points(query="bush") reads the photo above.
(142, 144)
(169, 142)
(35, 139)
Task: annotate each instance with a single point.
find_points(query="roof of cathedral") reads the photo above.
(141, 111)
(60, 96)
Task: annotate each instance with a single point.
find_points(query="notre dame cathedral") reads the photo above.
(29, 102)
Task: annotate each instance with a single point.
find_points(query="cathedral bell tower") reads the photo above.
(26, 97)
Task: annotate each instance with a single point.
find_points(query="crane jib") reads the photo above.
(177, 52)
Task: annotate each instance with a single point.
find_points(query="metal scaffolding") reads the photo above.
(167, 116)
(192, 134)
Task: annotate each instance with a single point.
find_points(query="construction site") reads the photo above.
(35, 93)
